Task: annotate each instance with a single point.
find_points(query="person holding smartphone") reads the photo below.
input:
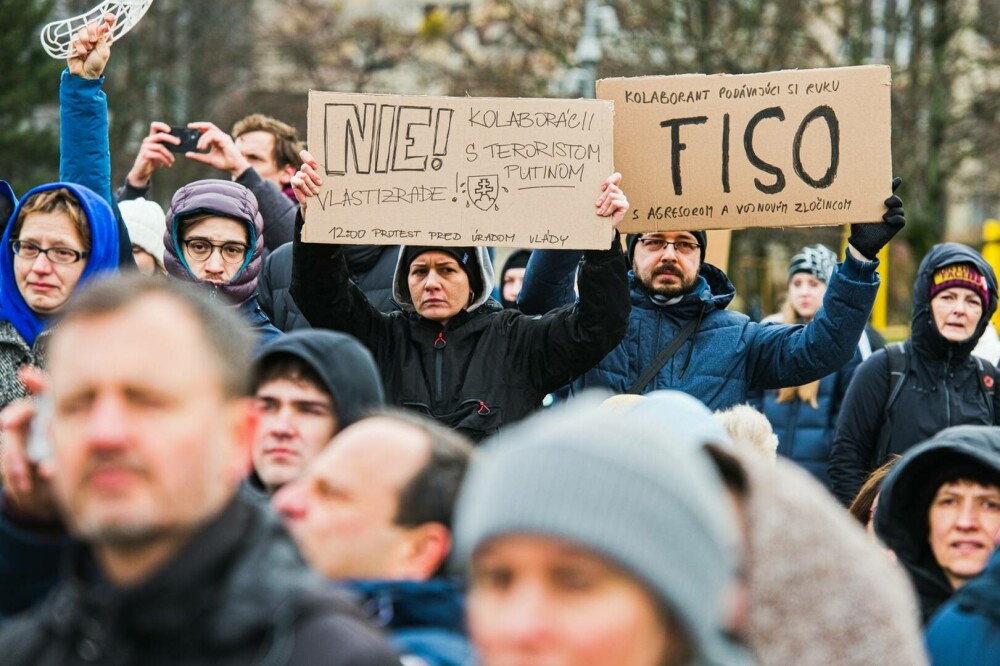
(256, 156)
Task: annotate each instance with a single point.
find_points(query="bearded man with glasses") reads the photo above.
(682, 337)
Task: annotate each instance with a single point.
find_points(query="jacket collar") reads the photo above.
(712, 291)
(212, 593)
(399, 604)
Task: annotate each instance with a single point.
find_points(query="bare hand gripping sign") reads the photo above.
(790, 148)
(459, 171)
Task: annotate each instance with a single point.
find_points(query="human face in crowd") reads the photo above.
(539, 600)
(44, 284)
(964, 523)
(665, 271)
(342, 511)
(805, 292)
(296, 420)
(257, 147)
(144, 261)
(513, 278)
(439, 286)
(220, 231)
(957, 312)
(146, 447)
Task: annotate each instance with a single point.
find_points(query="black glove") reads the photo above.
(868, 239)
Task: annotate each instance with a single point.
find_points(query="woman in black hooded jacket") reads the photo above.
(943, 551)
(459, 357)
(943, 384)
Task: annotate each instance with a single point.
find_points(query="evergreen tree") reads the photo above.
(29, 96)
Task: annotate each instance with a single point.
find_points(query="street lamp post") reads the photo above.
(599, 20)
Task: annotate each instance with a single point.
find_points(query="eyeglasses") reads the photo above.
(658, 244)
(680, 247)
(57, 255)
(200, 250)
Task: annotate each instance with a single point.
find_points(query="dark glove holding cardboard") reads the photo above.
(868, 239)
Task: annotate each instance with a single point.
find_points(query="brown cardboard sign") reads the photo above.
(459, 171)
(789, 148)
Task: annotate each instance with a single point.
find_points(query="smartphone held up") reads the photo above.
(189, 140)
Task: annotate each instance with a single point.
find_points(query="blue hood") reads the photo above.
(7, 203)
(103, 257)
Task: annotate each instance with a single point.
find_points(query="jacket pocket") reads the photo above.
(474, 417)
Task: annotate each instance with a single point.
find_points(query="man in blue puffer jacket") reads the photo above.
(726, 354)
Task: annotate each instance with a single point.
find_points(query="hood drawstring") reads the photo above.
(687, 360)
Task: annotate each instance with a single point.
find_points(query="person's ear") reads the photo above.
(424, 551)
(285, 176)
(243, 429)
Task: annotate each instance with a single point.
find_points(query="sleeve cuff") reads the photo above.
(859, 271)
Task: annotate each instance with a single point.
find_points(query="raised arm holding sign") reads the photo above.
(678, 300)
(453, 353)
(774, 149)
(458, 171)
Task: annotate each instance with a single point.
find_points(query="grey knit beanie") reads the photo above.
(816, 260)
(610, 483)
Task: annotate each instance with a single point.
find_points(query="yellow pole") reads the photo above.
(880, 311)
(991, 251)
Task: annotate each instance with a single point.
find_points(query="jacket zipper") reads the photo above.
(947, 393)
(793, 427)
(439, 344)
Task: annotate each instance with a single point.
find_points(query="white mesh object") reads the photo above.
(58, 35)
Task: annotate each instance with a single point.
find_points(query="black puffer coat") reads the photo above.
(237, 595)
(942, 388)
(486, 367)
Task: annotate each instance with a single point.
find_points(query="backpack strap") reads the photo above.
(899, 365)
(669, 350)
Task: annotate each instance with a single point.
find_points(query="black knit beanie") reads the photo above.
(465, 256)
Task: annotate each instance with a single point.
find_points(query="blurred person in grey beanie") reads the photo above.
(146, 222)
(818, 590)
(591, 543)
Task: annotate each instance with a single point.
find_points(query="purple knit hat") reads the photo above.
(225, 199)
(962, 275)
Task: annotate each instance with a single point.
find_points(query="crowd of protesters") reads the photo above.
(222, 444)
